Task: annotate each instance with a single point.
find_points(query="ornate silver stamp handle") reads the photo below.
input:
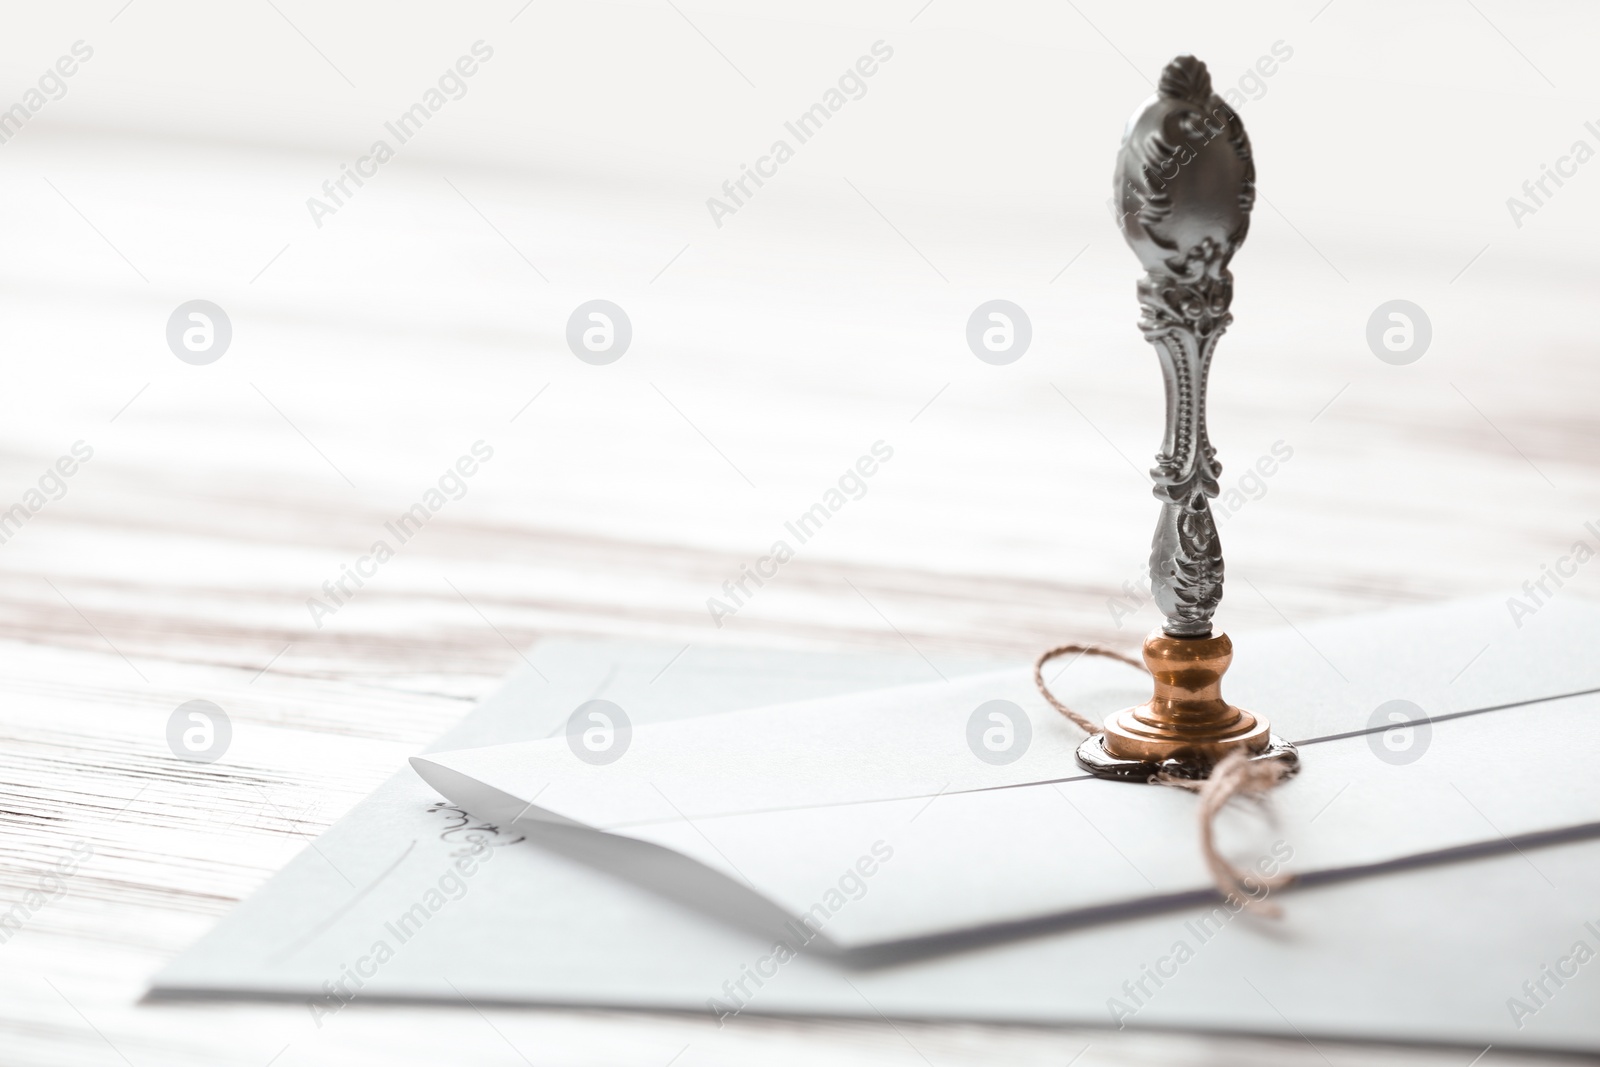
(1185, 186)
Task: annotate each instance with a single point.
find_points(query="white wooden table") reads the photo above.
(768, 355)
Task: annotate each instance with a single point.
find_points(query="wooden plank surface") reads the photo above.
(370, 354)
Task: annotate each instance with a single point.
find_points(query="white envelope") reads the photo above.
(1435, 954)
(867, 821)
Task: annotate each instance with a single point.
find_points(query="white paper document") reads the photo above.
(801, 805)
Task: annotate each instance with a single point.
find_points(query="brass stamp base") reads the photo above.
(1186, 727)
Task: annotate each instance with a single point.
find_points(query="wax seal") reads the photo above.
(1185, 184)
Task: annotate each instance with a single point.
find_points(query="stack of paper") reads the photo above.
(839, 846)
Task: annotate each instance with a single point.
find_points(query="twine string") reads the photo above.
(1235, 775)
(1086, 725)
